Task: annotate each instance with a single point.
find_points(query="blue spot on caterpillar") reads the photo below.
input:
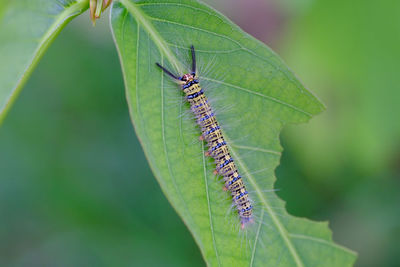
(217, 147)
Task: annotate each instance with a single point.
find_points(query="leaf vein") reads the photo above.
(258, 149)
(196, 28)
(322, 241)
(261, 95)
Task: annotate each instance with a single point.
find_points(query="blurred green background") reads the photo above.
(73, 173)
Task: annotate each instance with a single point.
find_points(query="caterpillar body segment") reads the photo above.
(212, 134)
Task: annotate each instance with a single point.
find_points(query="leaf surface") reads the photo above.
(253, 94)
(27, 27)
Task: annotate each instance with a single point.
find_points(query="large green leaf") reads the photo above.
(27, 27)
(254, 95)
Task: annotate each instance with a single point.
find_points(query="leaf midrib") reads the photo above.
(281, 229)
(141, 18)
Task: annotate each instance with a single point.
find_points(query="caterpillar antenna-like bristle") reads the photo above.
(193, 59)
(167, 71)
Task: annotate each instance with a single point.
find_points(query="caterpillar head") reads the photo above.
(188, 80)
(188, 77)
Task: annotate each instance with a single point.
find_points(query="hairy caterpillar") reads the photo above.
(212, 134)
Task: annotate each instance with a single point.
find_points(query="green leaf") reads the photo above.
(254, 95)
(27, 28)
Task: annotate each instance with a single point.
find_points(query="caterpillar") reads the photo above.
(212, 134)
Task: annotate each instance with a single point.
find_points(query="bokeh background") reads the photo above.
(72, 172)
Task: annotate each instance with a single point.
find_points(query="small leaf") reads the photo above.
(253, 94)
(27, 28)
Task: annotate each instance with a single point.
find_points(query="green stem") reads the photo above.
(62, 19)
(99, 7)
